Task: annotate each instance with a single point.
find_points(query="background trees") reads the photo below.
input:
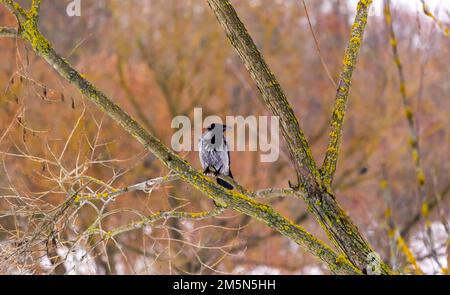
(157, 59)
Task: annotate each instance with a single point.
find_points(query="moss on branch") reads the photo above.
(343, 89)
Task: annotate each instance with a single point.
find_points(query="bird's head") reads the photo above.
(222, 127)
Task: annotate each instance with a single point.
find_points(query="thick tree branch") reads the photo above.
(350, 57)
(239, 202)
(319, 198)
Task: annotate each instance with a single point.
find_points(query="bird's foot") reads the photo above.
(211, 171)
(217, 171)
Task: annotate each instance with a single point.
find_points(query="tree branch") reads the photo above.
(151, 184)
(414, 220)
(164, 215)
(396, 241)
(350, 57)
(427, 12)
(412, 125)
(316, 42)
(8, 32)
(34, 10)
(144, 186)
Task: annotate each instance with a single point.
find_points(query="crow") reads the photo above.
(214, 153)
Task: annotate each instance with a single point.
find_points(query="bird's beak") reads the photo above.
(225, 127)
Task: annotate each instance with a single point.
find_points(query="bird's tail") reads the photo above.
(224, 183)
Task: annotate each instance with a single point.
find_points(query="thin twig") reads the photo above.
(316, 42)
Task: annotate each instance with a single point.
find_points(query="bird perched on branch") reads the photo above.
(214, 153)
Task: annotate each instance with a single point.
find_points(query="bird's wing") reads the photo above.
(228, 153)
(227, 148)
(201, 153)
(224, 158)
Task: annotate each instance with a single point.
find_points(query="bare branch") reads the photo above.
(165, 215)
(412, 126)
(150, 184)
(144, 186)
(8, 32)
(438, 22)
(350, 57)
(396, 241)
(414, 220)
(316, 42)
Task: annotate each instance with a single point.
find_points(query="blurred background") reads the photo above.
(161, 58)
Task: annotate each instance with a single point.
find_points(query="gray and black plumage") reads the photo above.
(214, 153)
